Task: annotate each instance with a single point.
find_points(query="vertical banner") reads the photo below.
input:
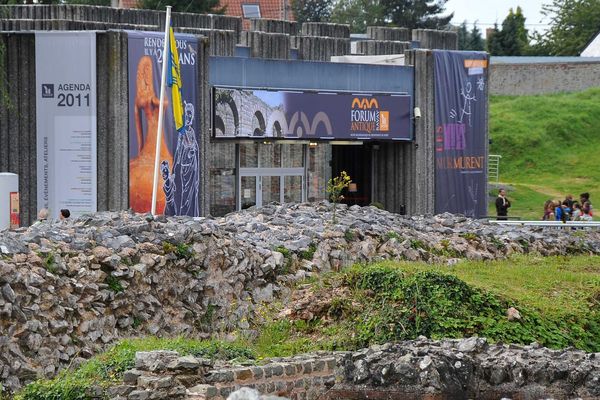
(179, 184)
(460, 132)
(65, 66)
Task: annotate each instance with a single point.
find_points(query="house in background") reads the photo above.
(593, 48)
(253, 9)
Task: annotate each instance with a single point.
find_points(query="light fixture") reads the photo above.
(353, 188)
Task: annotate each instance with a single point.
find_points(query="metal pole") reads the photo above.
(161, 109)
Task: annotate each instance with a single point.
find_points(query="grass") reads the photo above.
(548, 145)
(558, 297)
(107, 368)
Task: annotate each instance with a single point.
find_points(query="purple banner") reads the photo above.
(460, 132)
(259, 114)
(179, 182)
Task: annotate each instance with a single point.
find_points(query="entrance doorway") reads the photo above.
(263, 186)
(271, 173)
(356, 161)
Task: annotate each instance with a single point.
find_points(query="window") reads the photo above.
(251, 10)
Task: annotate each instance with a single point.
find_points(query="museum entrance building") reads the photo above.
(282, 128)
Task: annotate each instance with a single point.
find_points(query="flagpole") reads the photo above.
(161, 109)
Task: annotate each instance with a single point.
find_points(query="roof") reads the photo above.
(269, 9)
(593, 48)
(128, 3)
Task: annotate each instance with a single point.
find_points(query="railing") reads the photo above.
(494, 167)
(550, 224)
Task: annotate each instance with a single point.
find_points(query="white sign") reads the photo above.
(65, 65)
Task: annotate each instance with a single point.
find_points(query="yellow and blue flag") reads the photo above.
(174, 81)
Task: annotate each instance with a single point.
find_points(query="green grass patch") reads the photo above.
(558, 298)
(548, 145)
(108, 368)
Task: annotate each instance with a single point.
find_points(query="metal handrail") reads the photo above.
(552, 224)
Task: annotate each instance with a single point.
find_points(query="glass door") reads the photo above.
(270, 173)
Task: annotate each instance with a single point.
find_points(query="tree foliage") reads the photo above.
(312, 10)
(476, 41)
(513, 39)
(573, 24)
(192, 6)
(416, 13)
(358, 14)
(469, 40)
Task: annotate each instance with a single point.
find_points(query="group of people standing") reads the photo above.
(569, 209)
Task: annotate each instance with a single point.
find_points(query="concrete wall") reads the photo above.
(542, 78)
(433, 39)
(17, 117)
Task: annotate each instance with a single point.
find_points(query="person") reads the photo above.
(42, 217)
(576, 213)
(587, 209)
(559, 211)
(64, 214)
(548, 210)
(583, 199)
(586, 216)
(569, 201)
(502, 205)
(566, 211)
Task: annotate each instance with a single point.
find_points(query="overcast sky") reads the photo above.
(489, 11)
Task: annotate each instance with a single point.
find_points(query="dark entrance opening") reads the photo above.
(356, 161)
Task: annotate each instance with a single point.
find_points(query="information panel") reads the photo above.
(258, 114)
(460, 132)
(179, 182)
(65, 64)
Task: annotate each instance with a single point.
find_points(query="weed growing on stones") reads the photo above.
(392, 235)
(181, 250)
(309, 253)
(114, 284)
(349, 235)
(288, 262)
(50, 264)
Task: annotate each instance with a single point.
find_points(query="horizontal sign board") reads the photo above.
(242, 113)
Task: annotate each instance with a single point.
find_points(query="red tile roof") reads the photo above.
(270, 9)
(128, 3)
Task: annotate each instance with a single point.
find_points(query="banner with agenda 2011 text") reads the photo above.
(460, 132)
(179, 181)
(65, 65)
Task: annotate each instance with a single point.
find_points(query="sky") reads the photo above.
(489, 11)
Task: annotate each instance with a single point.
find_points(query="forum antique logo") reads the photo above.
(367, 117)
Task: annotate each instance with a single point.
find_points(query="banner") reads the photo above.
(460, 132)
(65, 65)
(179, 185)
(259, 114)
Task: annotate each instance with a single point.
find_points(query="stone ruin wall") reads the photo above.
(418, 369)
(67, 291)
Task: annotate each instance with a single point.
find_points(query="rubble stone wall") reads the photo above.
(67, 290)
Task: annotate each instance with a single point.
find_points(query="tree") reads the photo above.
(358, 14)
(513, 39)
(312, 10)
(463, 36)
(416, 13)
(192, 6)
(493, 45)
(476, 42)
(573, 24)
